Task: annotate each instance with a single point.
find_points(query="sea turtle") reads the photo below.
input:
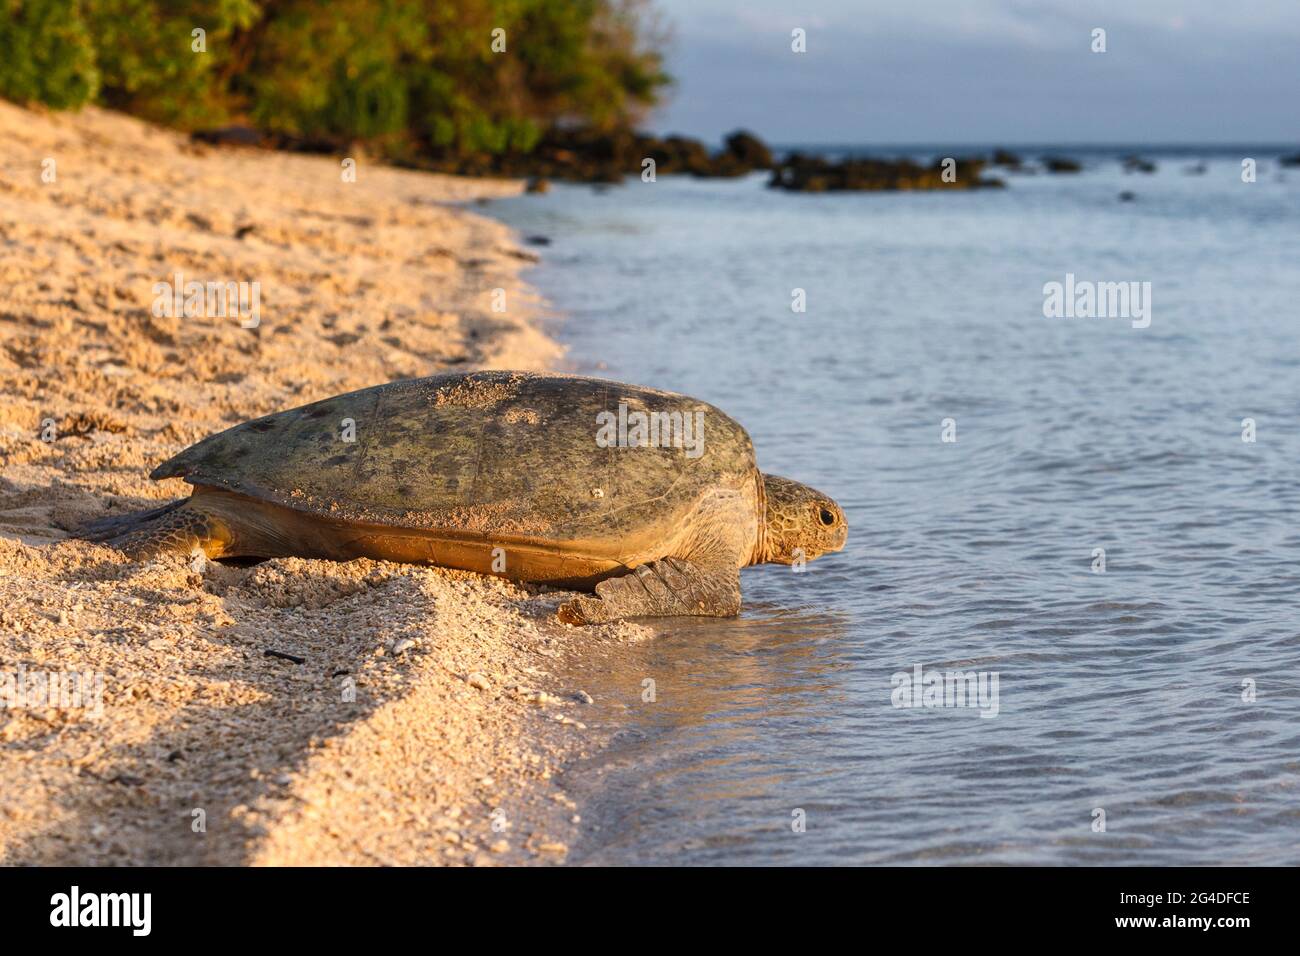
(649, 499)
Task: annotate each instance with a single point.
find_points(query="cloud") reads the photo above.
(952, 70)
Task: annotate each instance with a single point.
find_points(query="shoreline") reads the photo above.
(404, 715)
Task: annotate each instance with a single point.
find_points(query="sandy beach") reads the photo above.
(404, 715)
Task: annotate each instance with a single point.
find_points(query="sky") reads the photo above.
(985, 71)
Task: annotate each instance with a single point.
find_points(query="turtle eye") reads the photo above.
(827, 517)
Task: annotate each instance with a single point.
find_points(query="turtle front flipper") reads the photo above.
(664, 588)
(181, 527)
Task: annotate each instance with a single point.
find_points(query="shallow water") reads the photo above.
(1119, 691)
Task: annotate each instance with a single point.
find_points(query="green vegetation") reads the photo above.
(46, 53)
(406, 75)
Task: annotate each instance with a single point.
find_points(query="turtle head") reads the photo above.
(801, 522)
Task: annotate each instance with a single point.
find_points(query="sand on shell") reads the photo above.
(403, 715)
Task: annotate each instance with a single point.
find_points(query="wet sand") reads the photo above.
(404, 715)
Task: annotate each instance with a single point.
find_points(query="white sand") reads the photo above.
(360, 283)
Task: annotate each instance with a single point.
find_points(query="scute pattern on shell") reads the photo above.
(488, 454)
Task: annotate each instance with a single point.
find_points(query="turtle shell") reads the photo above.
(501, 455)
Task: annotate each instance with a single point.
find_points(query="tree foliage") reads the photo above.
(404, 73)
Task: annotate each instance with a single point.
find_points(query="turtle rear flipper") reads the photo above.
(102, 529)
(177, 528)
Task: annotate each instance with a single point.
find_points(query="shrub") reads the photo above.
(46, 53)
(405, 71)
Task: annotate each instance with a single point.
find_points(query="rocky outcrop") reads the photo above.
(802, 173)
(1061, 164)
(1006, 158)
(1136, 164)
(594, 156)
(747, 150)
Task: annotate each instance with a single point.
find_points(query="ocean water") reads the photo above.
(1161, 695)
